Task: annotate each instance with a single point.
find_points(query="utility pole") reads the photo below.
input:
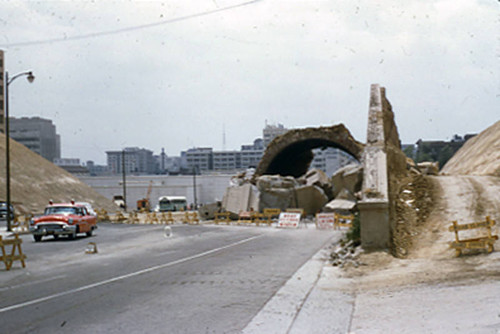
(124, 181)
(194, 188)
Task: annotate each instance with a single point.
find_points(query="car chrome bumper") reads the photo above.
(52, 229)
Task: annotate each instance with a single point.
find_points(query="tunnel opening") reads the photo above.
(295, 160)
(292, 153)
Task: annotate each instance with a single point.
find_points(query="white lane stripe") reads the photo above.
(118, 278)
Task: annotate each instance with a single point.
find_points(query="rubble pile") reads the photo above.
(346, 254)
(313, 192)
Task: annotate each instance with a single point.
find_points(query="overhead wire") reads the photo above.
(126, 29)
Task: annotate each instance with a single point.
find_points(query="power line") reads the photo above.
(127, 29)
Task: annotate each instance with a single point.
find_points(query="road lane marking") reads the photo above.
(122, 277)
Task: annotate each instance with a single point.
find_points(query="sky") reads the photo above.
(183, 74)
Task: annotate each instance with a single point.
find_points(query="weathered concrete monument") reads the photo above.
(383, 164)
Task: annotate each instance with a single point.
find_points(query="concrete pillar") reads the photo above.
(374, 206)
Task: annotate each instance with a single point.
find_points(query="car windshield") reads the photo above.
(62, 210)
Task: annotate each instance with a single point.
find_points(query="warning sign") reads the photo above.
(325, 221)
(289, 220)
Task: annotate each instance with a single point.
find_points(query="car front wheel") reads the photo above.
(37, 238)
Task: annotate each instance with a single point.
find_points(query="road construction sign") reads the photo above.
(289, 220)
(325, 221)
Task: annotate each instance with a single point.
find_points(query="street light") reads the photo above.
(30, 78)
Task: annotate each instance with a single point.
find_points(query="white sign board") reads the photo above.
(325, 221)
(289, 220)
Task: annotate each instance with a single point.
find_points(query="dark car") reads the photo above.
(3, 211)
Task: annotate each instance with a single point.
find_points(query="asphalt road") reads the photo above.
(202, 279)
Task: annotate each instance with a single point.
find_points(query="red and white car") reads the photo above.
(63, 219)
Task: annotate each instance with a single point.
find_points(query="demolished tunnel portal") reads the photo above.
(291, 154)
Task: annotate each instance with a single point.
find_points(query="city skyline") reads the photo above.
(179, 75)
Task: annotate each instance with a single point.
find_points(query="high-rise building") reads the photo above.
(272, 131)
(136, 161)
(331, 159)
(198, 158)
(251, 154)
(37, 134)
(226, 160)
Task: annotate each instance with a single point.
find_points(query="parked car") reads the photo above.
(3, 211)
(63, 219)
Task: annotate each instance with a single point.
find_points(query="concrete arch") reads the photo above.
(290, 154)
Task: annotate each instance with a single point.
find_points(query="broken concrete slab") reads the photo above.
(267, 182)
(349, 177)
(319, 178)
(208, 211)
(279, 198)
(340, 206)
(241, 198)
(311, 198)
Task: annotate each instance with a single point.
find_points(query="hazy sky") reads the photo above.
(174, 74)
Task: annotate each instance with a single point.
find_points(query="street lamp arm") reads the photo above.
(30, 75)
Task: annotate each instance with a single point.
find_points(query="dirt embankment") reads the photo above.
(35, 181)
(479, 155)
(428, 258)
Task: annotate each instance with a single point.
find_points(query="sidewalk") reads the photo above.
(319, 299)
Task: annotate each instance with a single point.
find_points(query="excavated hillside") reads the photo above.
(35, 180)
(479, 155)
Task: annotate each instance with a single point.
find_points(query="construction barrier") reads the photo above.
(273, 213)
(262, 218)
(296, 210)
(343, 221)
(8, 259)
(222, 217)
(484, 242)
(21, 223)
(191, 218)
(245, 217)
(166, 218)
(326, 221)
(151, 218)
(119, 217)
(102, 215)
(133, 218)
(289, 219)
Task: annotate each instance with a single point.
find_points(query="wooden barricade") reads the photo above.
(102, 215)
(8, 259)
(166, 218)
(245, 217)
(151, 218)
(119, 217)
(485, 242)
(191, 217)
(222, 217)
(261, 218)
(343, 221)
(133, 218)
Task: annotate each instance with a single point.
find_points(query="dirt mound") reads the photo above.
(35, 180)
(479, 155)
